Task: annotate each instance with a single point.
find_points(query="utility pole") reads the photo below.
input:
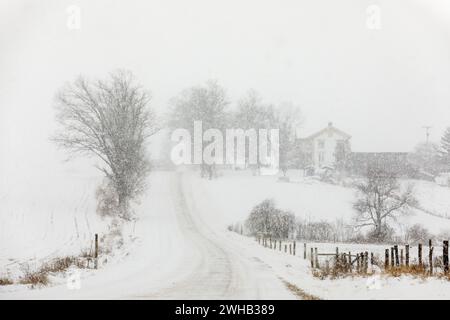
(427, 132)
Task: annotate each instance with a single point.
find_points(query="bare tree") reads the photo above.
(253, 113)
(108, 119)
(288, 120)
(380, 198)
(206, 103)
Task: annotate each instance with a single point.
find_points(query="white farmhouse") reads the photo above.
(320, 147)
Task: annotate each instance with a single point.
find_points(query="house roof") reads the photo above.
(329, 128)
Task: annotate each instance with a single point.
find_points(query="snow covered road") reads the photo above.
(222, 270)
(178, 255)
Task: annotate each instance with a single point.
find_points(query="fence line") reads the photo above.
(396, 258)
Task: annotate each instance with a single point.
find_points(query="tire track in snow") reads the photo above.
(220, 270)
(212, 273)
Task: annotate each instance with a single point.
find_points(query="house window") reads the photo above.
(321, 144)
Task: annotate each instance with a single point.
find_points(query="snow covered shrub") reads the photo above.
(327, 175)
(387, 234)
(337, 231)
(267, 219)
(416, 234)
(107, 202)
(39, 276)
(284, 179)
(315, 231)
(33, 278)
(113, 239)
(61, 264)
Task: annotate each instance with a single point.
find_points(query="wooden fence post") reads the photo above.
(372, 261)
(430, 256)
(397, 261)
(290, 248)
(304, 250)
(419, 249)
(357, 263)
(363, 262)
(96, 251)
(337, 257)
(401, 257)
(285, 248)
(392, 257)
(280, 245)
(407, 255)
(293, 251)
(386, 259)
(312, 257)
(350, 260)
(445, 255)
(317, 257)
(366, 261)
(344, 261)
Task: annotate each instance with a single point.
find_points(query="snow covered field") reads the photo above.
(179, 248)
(37, 224)
(236, 193)
(228, 193)
(433, 197)
(173, 255)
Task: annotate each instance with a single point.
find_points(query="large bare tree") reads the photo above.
(253, 113)
(380, 197)
(109, 119)
(207, 103)
(288, 120)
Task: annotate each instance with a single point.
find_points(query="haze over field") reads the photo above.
(296, 51)
(367, 91)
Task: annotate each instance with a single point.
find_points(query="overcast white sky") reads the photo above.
(380, 86)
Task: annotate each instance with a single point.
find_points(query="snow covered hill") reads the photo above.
(38, 223)
(237, 192)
